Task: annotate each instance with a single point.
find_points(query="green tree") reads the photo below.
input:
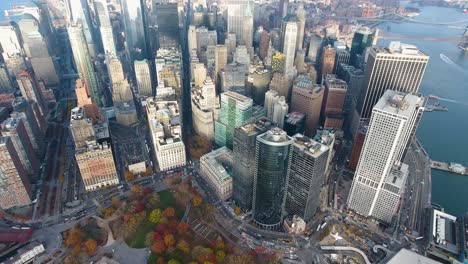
(220, 255)
(149, 239)
(155, 216)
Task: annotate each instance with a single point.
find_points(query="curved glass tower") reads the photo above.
(270, 178)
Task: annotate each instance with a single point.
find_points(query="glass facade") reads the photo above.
(135, 28)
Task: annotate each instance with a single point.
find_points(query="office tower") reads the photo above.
(260, 79)
(192, 37)
(358, 143)
(97, 166)
(277, 62)
(231, 43)
(12, 53)
(167, 19)
(6, 85)
(380, 177)
(199, 74)
(354, 78)
(315, 45)
(333, 102)
(289, 46)
(216, 169)
(400, 67)
(15, 186)
(300, 12)
(299, 61)
(307, 98)
(242, 56)
(362, 39)
(166, 133)
(236, 110)
(294, 123)
(240, 20)
(271, 178)
(143, 77)
(244, 151)
(271, 97)
(328, 61)
(134, 16)
(168, 67)
(327, 137)
(115, 69)
(280, 83)
(342, 56)
(105, 27)
(79, 13)
(233, 78)
(29, 89)
(280, 109)
(283, 8)
(84, 101)
(220, 58)
(264, 44)
(204, 103)
(81, 128)
(125, 113)
(23, 109)
(36, 48)
(83, 62)
(306, 177)
(121, 92)
(14, 129)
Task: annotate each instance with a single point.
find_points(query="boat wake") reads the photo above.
(453, 101)
(452, 63)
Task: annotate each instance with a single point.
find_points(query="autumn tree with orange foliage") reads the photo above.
(197, 200)
(183, 246)
(129, 176)
(182, 228)
(169, 212)
(91, 246)
(73, 237)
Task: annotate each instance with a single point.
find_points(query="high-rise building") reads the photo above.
(307, 98)
(280, 83)
(134, 16)
(166, 133)
(342, 56)
(97, 166)
(244, 151)
(115, 69)
(220, 58)
(362, 39)
(236, 110)
(15, 188)
(81, 128)
(24, 110)
(167, 18)
(233, 78)
(264, 44)
(259, 79)
(125, 113)
(121, 92)
(315, 45)
(204, 103)
(354, 78)
(15, 129)
(240, 20)
(290, 30)
(306, 177)
(380, 177)
(277, 62)
(327, 60)
(216, 168)
(333, 101)
(299, 61)
(143, 77)
(29, 89)
(12, 52)
(294, 123)
(6, 84)
(271, 178)
(300, 12)
(280, 109)
(83, 62)
(105, 27)
(192, 37)
(271, 97)
(400, 67)
(79, 12)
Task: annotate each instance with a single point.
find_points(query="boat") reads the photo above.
(431, 96)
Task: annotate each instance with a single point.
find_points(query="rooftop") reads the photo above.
(407, 256)
(221, 159)
(398, 48)
(399, 103)
(309, 146)
(444, 231)
(237, 96)
(275, 135)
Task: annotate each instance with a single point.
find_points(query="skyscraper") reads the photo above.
(203, 108)
(29, 89)
(314, 48)
(306, 177)
(143, 77)
(6, 84)
(333, 101)
(400, 67)
(15, 188)
(115, 69)
(167, 17)
(134, 16)
(244, 151)
(236, 110)
(270, 99)
(307, 98)
(105, 27)
(380, 177)
(281, 84)
(280, 109)
(24, 110)
(328, 61)
(81, 128)
(12, 53)
(271, 178)
(300, 12)
(240, 21)
(83, 62)
(289, 45)
(362, 39)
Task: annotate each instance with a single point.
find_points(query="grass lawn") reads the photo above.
(167, 199)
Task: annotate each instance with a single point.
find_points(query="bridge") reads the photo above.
(449, 167)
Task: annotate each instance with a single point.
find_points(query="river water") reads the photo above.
(443, 134)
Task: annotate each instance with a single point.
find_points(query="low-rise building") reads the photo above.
(216, 169)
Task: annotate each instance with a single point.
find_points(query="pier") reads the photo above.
(450, 167)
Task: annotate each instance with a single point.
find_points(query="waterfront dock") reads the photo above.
(450, 167)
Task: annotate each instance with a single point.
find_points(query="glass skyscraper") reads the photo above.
(362, 39)
(134, 14)
(270, 178)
